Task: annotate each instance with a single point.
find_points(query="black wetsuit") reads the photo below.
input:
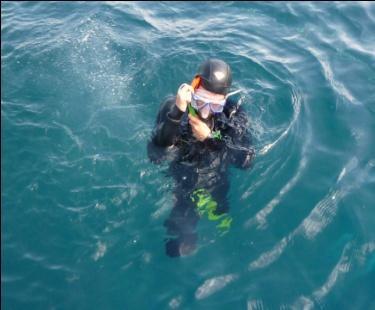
(196, 165)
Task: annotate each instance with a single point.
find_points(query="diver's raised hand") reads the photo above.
(183, 97)
(199, 128)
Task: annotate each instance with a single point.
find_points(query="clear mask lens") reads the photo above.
(200, 103)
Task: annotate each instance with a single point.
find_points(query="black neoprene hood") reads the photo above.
(215, 75)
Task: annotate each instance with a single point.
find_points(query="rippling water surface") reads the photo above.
(83, 208)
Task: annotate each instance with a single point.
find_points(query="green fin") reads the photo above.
(205, 204)
(225, 223)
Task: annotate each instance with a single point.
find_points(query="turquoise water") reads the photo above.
(82, 207)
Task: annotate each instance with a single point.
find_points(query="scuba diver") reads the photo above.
(202, 132)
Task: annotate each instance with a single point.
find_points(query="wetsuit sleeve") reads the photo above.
(238, 141)
(166, 130)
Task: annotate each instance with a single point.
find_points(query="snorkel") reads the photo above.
(233, 93)
(195, 84)
(192, 111)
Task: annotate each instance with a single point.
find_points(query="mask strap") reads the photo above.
(233, 93)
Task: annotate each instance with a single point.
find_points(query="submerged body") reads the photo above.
(198, 167)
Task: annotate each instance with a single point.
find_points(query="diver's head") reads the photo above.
(211, 85)
(215, 76)
(207, 103)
